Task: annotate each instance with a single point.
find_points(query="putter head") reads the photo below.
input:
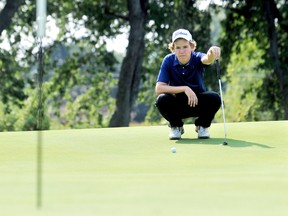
(225, 143)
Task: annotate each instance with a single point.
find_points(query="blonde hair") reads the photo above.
(171, 46)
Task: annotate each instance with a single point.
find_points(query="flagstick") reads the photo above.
(41, 10)
(39, 126)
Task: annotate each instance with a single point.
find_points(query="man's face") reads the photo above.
(182, 50)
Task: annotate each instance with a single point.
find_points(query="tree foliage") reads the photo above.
(265, 22)
(243, 79)
(80, 80)
(79, 72)
(131, 68)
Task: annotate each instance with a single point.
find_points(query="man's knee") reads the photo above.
(217, 99)
(212, 99)
(163, 99)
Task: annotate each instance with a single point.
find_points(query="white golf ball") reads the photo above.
(173, 150)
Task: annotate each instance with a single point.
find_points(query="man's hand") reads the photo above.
(215, 52)
(212, 54)
(192, 98)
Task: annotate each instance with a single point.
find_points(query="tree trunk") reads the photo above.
(7, 13)
(130, 73)
(271, 13)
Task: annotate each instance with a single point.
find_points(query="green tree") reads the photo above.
(12, 85)
(80, 73)
(245, 77)
(8, 12)
(130, 73)
(78, 90)
(266, 22)
(71, 63)
(118, 14)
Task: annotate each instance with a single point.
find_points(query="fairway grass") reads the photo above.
(131, 172)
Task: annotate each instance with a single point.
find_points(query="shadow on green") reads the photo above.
(219, 141)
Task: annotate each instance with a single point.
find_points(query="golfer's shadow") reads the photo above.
(219, 141)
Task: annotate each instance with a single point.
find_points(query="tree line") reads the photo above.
(85, 85)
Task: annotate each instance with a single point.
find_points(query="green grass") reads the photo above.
(131, 171)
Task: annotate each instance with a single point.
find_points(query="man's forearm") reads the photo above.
(160, 89)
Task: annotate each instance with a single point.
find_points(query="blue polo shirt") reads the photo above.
(174, 73)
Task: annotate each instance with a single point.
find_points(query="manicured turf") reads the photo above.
(131, 171)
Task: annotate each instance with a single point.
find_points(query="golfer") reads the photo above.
(180, 86)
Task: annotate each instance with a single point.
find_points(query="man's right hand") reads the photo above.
(192, 98)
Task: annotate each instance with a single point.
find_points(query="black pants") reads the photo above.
(174, 108)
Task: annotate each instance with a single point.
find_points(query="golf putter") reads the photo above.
(222, 102)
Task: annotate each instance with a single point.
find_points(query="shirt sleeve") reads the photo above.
(164, 72)
(199, 56)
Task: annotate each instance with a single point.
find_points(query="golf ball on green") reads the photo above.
(173, 150)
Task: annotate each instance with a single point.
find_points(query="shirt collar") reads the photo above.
(176, 61)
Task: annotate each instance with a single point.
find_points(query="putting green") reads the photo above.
(131, 171)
